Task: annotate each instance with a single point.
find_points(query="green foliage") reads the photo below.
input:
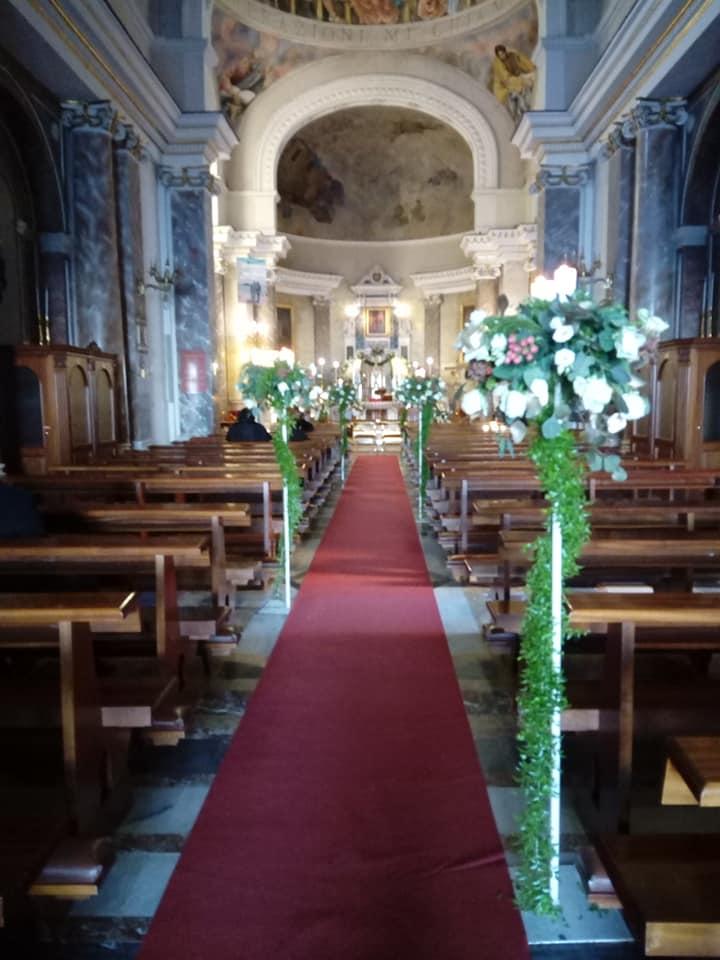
(291, 478)
(542, 690)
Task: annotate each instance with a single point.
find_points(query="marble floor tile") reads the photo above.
(579, 922)
(171, 810)
(133, 887)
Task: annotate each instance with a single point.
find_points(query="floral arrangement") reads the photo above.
(559, 371)
(564, 364)
(429, 395)
(343, 395)
(376, 356)
(286, 389)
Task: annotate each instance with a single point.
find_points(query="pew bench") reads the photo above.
(692, 772)
(668, 887)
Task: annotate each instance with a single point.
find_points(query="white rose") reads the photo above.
(539, 389)
(517, 431)
(562, 332)
(482, 353)
(595, 393)
(514, 404)
(476, 316)
(475, 339)
(498, 343)
(499, 393)
(564, 359)
(283, 387)
(315, 393)
(474, 403)
(616, 422)
(637, 405)
(654, 325)
(627, 346)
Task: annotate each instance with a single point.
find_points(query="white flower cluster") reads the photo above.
(556, 363)
(418, 391)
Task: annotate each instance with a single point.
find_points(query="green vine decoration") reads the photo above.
(291, 477)
(427, 416)
(542, 690)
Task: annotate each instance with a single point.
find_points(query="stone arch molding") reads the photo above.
(267, 127)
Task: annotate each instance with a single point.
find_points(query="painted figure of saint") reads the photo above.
(513, 79)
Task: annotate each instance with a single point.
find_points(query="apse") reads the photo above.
(375, 174)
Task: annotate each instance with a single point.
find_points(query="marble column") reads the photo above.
(267, 314)
(321, 327)
(560, 213)
(189, 193)
(621, 161)
(129, 155)
(55, 259)
(96, 266)
(433, 306)
(655, 124)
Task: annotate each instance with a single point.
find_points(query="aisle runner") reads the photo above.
(349, 820)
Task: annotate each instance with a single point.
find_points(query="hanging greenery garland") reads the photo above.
(567, 371)
(287, 390)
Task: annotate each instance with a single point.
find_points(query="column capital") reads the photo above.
(491, 248)
(99, 116)
(668, 112)
(433, 299)
(189, 178)
(127, 139)
(561, 176)
(320, 300)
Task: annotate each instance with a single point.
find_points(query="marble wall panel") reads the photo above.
(321, 327)
(191, 220)
(693, 267)
(653, 265)
(560, 233)
(433, 309)
(621, 221)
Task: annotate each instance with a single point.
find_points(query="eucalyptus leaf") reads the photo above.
(551, 428)
(619, 474)
(611, 462)
(595, 461)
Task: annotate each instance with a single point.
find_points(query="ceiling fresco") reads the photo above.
(250, 60)
(375, 173)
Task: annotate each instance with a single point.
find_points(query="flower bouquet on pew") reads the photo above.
(429, 396)
(564, 373)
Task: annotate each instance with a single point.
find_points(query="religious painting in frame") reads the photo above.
(377, 321)
(283, 314)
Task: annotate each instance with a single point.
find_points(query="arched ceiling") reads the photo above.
(375, 173)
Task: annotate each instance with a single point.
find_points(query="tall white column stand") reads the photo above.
(343, 441)
(420, 463)
(556, 608)
(286, 529)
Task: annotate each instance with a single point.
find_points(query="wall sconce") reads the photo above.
(164, 282)
(352, 310)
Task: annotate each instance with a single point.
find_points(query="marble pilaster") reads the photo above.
(98, 301)
(128, 157)
(560, 213)
(321, 326)
(655, 125)
(433, 325)
(220, 373)
(189, 194)
(620, 225)
(694, 315)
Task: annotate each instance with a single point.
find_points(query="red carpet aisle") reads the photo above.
(349, 820)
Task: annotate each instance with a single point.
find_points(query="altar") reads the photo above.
(381, 409)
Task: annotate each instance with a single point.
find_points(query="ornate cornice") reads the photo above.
(444, 282)
(342, 36)
(99, 116)
(189, 178)
(492, 248)
(229, 245)
(561, 176)
(319, 286)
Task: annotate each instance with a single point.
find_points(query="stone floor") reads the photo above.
(170, 785)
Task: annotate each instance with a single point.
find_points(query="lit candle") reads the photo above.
(47, 304)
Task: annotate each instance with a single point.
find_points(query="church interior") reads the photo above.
(194, 666)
